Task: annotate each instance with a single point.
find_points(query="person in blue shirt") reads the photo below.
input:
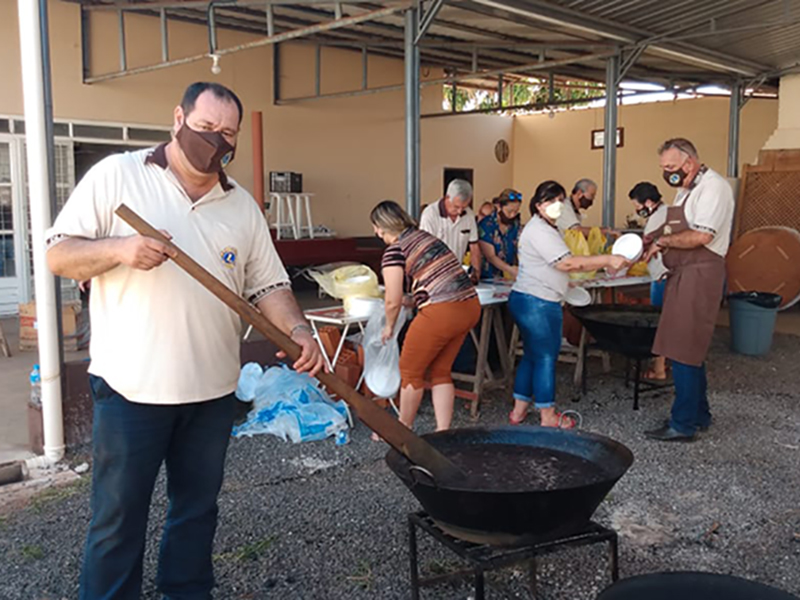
(498, 234)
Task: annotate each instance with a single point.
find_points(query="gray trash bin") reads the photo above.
(752, 318)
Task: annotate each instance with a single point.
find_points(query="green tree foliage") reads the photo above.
(521, 94)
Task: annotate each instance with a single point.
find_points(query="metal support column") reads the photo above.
(412, 114)
(35, 59)
(733, 129)
(123, 57)
(318, 70)
(164, 35)
(610, 141)
(86, 45)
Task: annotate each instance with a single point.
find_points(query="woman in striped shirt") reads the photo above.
(448, 309)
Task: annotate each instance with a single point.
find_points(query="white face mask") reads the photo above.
(554, 210)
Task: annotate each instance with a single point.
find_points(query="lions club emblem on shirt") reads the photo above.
(228, 256)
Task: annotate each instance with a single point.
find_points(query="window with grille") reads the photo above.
(65, 182)
(8, 266)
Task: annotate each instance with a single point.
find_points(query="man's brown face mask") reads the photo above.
(207, 151)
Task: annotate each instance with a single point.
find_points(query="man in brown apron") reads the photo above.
(693, 241)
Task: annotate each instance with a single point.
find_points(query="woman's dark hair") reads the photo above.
(644, 191)
(547, 190)
(220, 92)
(507, 196)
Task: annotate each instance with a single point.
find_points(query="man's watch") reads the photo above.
(301, 327)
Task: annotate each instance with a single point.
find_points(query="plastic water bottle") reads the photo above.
(342, 437)
(36, 386)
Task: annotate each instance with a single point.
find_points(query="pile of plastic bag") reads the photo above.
(578, 246)
(289, 405)
(595, 245)
(347, 282)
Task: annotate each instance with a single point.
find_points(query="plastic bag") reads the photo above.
(596, 242)
(382, 361)
(289, 405)
(348, 282)
(638, 269)
(762, 299)
(578, 246)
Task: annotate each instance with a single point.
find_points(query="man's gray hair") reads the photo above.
(681, 144)
(583, 185)
(460, 188)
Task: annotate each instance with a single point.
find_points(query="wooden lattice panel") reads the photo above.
(770, 192)
(770, 199)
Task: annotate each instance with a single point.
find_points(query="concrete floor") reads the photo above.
(15, 387)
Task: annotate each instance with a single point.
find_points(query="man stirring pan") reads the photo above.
(165, 352)
(693, 242)
(452, 221)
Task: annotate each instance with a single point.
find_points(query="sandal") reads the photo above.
(512, 420)
(651, 375)
(565, 421)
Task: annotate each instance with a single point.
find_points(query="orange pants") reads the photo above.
(433, 340)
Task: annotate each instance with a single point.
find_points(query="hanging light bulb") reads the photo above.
(215, 68)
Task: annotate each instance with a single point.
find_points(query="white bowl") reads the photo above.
(577, 296)
(485, 292)
(361, 307)
(629, 246)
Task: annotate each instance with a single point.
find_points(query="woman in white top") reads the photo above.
(535, 303)
(647, 201)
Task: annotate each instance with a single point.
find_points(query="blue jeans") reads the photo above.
(657, 292)
(540, 325)
(690, 409)
(130, 442)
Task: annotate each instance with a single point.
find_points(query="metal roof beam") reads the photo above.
(576, 21)
(281, 37)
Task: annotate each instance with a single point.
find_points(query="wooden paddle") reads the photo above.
(397, 435)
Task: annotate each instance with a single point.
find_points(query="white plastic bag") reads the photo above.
(289, 405)
(382, 361)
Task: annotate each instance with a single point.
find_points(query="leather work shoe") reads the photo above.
(700, 428)
(668, 434)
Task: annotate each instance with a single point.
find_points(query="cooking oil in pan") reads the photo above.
(518, 468)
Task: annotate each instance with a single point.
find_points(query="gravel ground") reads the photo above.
(320, 521)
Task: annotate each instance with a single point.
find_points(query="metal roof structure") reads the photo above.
(683, 43)
(744, 45)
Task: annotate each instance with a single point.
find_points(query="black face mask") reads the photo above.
(585, 203)
(675, 178)
(504, 219)
(207, 151)
(645, 212)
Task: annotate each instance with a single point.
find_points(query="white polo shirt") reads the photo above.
(457, 235)
(657, 219)
(158, 336)
(709, 208)
(570, 217)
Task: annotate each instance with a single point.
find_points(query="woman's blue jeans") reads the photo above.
(540, 325)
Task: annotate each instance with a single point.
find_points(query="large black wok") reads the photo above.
(626, 330)
(691, 586)
(532, 510)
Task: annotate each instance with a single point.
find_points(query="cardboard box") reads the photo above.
(75, 325)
